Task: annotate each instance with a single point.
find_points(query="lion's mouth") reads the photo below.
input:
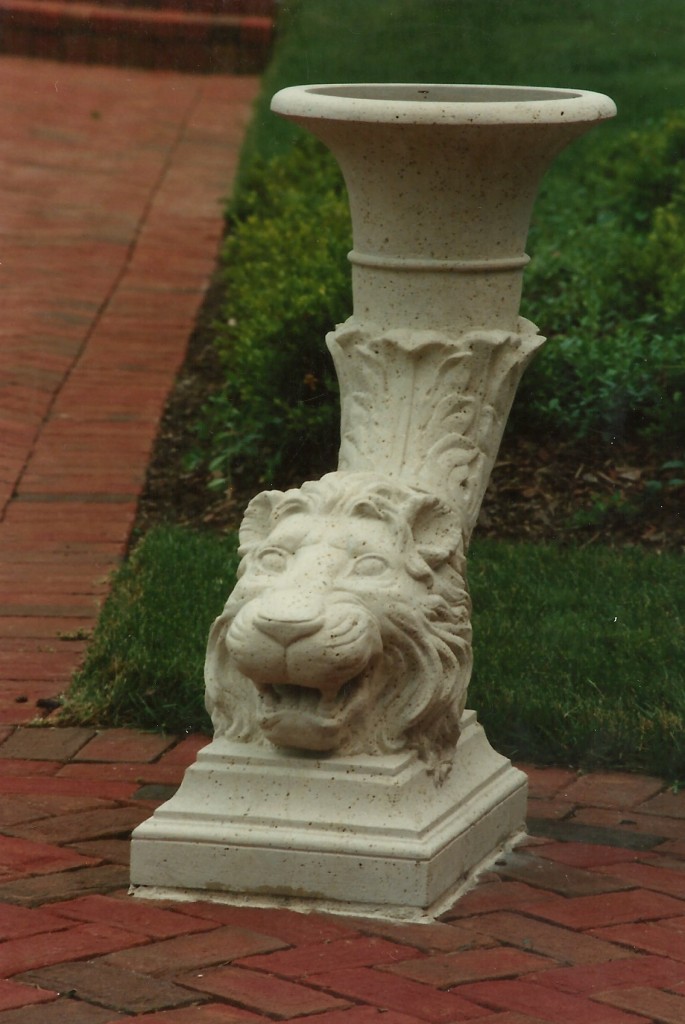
(277, 696)
(305, 717)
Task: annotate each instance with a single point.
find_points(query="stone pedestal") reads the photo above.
(366, 835)
(344, 774)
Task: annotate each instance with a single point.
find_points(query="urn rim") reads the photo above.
(436, 104)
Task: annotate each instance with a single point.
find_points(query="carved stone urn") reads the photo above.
(344, 773)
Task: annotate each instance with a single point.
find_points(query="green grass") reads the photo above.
(578, 654)
(145, 664)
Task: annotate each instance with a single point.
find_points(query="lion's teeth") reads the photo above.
(295, 696)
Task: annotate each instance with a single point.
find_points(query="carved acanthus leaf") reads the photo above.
(426, 407)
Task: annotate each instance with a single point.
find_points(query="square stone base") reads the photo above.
(360, 835)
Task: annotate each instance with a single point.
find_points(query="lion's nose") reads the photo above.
(287, 617)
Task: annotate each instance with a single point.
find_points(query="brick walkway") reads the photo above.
(109, 221)
(111, 184)
(182, 35)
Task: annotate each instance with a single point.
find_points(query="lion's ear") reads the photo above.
(367, 508)
(256, 524)
(439, 537)
(435, 527)
(434, 555)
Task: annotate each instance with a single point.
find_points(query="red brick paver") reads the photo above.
(199, 35)
(14, 996)
(558, 1007)
(273, 996)
(310, 959)
(190, 950)
(125, 745)
(136, 916)
(650, 970)
(661, 1007)
(110, 191)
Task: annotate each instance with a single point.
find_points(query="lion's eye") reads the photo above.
(369, 565)
(273, 560)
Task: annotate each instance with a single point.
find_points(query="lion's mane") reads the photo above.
(426, 642)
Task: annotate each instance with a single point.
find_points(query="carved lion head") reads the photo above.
(349, 627)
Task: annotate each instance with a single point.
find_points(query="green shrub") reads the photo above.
(286, 284)
(607, 285)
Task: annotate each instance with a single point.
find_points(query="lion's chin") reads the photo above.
(305, 718)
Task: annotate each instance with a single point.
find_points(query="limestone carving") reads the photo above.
(349, 627)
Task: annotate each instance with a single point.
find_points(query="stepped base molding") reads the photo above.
(359, 835)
